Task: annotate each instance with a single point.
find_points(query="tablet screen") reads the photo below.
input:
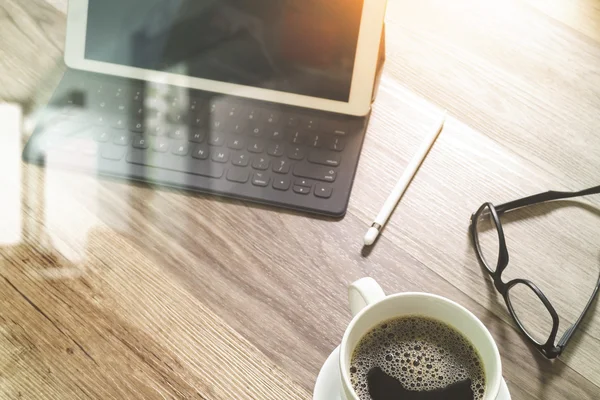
(305, 47)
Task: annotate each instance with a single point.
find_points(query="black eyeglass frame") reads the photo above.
(548, 349)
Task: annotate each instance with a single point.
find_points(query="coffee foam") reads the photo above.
(422, 353)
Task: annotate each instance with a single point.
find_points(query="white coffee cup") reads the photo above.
(370, 307)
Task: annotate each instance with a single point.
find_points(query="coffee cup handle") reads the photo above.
(363, 292)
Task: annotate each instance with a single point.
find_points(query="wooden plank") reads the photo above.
(580, 15)
(508, 71)
(122, 330)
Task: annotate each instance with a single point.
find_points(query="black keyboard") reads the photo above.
(284, 156)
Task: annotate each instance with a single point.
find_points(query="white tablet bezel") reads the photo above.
(361, 90)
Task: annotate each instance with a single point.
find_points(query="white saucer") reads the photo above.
(328, 387)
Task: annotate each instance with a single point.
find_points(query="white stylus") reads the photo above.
(402, 185)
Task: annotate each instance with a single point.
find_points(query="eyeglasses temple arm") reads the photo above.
(546, 196)
(569, 332)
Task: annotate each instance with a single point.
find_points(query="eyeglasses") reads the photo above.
(525, 301)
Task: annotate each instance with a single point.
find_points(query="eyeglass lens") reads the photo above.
(531, 312)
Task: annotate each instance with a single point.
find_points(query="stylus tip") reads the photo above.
(371, 236)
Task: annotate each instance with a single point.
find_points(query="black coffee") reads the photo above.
(416, 358)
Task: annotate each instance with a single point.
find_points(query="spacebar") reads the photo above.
(176, 163)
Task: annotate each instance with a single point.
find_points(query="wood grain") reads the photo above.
(139, 317)
(118, 290)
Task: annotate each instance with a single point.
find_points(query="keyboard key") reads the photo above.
(75, 108)
(200, 152)
(68, 110)
(99, 89)
(224, 111)
(175, 163)
(197, 135)
(78, 115)
(216, 139)
(297, 137)
(291, 121)
(275, 150)
(137, 96)
(155, 116)
(121, 108)
(256, 147)
(102, 136)
(75, 97)
(195, 105)
(252, 114)
(161, 145)
(240, 159)
(302, 182)
(271, 117)
(295, 153)
(122, 139)
(236, 143)
(340, 128)
(217, 126)
(255, 131)
(181, 148)
(310, 124)
(199, 121)
(178, 132)
(237, 127)
(220, 156)
(100, 121)
(281, 183)
(157, 130)
(140, 142)
(118, 93)
(260, 163)
(312, 171)
(114, 153)
(137, 126)
(324, 158)
(323, 191)
(239, 175)
(315, 140)
(234, 112)
(276, 134)
(120, 123)
(337, 144)
(260, 179)
(138, 112)
(174, 103)
(177, 118)
(215, 107)
(301, 190)
(281, 166)
(153, 102)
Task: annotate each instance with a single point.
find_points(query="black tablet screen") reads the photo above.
(305, 47)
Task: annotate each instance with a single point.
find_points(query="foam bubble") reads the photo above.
(423, 354)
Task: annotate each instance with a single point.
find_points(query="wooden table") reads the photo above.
(116, 291)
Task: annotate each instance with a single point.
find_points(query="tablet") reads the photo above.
(319, 54)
